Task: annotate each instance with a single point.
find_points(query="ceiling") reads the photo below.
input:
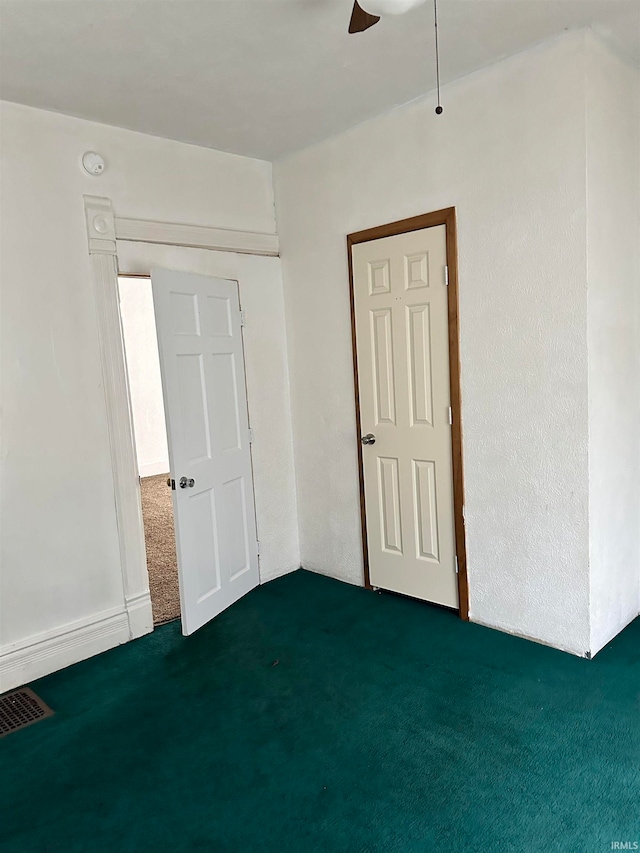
(265, 77)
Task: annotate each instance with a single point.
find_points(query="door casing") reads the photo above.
(446, 217)
(105, 231)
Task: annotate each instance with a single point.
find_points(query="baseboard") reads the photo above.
(152, 469)
(140, 614)
(53, 650)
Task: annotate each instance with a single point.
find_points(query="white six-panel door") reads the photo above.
(401, 312)
(202, 365)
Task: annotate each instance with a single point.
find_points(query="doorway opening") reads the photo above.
(150, 433)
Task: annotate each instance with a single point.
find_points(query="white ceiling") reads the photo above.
(264, 77)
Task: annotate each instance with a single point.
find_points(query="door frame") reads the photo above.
(446, 217)
(104, 229)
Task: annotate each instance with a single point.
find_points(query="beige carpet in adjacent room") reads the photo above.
(160, 541)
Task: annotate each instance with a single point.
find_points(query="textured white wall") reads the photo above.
(60, 560)
(265, 351)
(509, 153)
(143, 371)
(613, 192)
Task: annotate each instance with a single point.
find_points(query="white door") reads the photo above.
(202, 365)
(401, 311)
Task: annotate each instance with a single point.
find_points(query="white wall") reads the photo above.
(509, 154)
(613, 192)
(60, 559)
(143, 371)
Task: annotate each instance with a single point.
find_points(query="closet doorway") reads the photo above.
(404, 309)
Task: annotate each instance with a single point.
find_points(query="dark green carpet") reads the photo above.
(386, 725)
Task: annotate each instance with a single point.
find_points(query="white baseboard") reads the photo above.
(44, 653)
(151, 469)
(140, 614)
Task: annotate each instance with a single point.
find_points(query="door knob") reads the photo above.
(187, 482)
(368, 439)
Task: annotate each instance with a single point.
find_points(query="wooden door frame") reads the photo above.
(446, 217)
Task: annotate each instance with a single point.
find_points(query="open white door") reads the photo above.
(202, 364)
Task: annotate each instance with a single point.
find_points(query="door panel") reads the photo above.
(419, 331)
(390, 521)
(385, 403)
(401, 313)
(202, 367)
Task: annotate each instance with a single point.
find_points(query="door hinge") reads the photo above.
(450, 416)
(258, 547)
(242, 318)
(171, 483)
(446, 276)
(250, 436)
(457, 568)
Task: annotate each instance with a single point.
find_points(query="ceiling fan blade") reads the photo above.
(361, 20)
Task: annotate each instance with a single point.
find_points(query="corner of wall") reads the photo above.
(612, 96)
(586, 34)
(288, 349)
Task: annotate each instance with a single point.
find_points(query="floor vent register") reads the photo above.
(20, 709)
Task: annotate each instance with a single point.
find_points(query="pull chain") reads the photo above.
(435, 27)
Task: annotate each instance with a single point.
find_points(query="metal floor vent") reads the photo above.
(19, 709)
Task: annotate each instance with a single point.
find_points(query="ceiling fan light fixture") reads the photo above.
(389, 7)
(361, 20)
